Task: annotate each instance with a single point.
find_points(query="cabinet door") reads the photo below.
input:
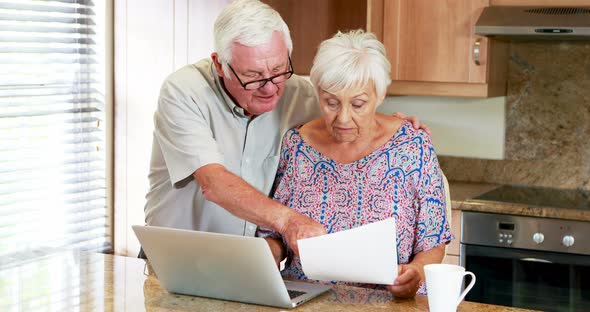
(450, 259)
(431, 47)
(547, 3)
(453, 247)
(312, 21)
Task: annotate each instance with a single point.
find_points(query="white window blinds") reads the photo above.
(52, 138)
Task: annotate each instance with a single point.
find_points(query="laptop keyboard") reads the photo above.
(295, 293)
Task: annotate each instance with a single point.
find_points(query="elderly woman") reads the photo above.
(354, 166)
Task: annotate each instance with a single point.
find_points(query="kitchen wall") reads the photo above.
(463, 127)
(547, 120)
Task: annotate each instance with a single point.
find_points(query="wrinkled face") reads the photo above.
(350, 114)
(254, 63)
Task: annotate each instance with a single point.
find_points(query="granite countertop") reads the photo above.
(67, 281)
(462, 192)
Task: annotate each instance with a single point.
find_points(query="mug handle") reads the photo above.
(468, 288)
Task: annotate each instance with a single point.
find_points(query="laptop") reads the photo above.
(221, 266)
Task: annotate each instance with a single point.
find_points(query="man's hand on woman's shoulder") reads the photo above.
(414, 120)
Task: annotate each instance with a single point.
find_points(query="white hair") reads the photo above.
(248, 22)
(351, 61)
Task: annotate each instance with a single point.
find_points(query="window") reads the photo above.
(53, 186)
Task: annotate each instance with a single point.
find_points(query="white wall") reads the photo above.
(152, 39)
(464, 127)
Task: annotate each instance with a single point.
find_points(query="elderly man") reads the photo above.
(218, 128)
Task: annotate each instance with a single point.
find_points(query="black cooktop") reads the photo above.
(539, 196)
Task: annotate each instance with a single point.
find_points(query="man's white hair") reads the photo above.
(248, 22)
(351, 61)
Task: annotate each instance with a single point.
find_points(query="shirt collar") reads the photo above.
(236, 110)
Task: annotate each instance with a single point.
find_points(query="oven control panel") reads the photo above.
(505, 233)
(525, 232)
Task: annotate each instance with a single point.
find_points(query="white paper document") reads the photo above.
(365, 254)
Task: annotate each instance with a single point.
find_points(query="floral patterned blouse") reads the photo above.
(401, 179)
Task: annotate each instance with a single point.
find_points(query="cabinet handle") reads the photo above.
(476, 52)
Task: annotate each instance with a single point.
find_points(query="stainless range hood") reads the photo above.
(532, 23)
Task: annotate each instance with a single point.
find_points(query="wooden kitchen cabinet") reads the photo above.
(547, 3)
(453, 249)
(431, 45)
(312, 21)
(451, 259)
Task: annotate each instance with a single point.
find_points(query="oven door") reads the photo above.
(529, 279)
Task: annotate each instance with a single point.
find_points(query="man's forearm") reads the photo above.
(241, 199)
(244, 201)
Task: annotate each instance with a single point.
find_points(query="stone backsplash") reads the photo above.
(547, 120)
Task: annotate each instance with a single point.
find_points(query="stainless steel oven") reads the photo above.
(529, 262)
(525, 262)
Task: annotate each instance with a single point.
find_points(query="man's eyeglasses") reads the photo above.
(257, 84)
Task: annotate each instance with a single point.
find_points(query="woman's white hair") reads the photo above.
(351, 61)
(248, 22)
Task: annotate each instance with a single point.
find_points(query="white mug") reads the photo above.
(443, 283)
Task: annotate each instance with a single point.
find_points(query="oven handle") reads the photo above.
(517, 254)
(535, 260)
